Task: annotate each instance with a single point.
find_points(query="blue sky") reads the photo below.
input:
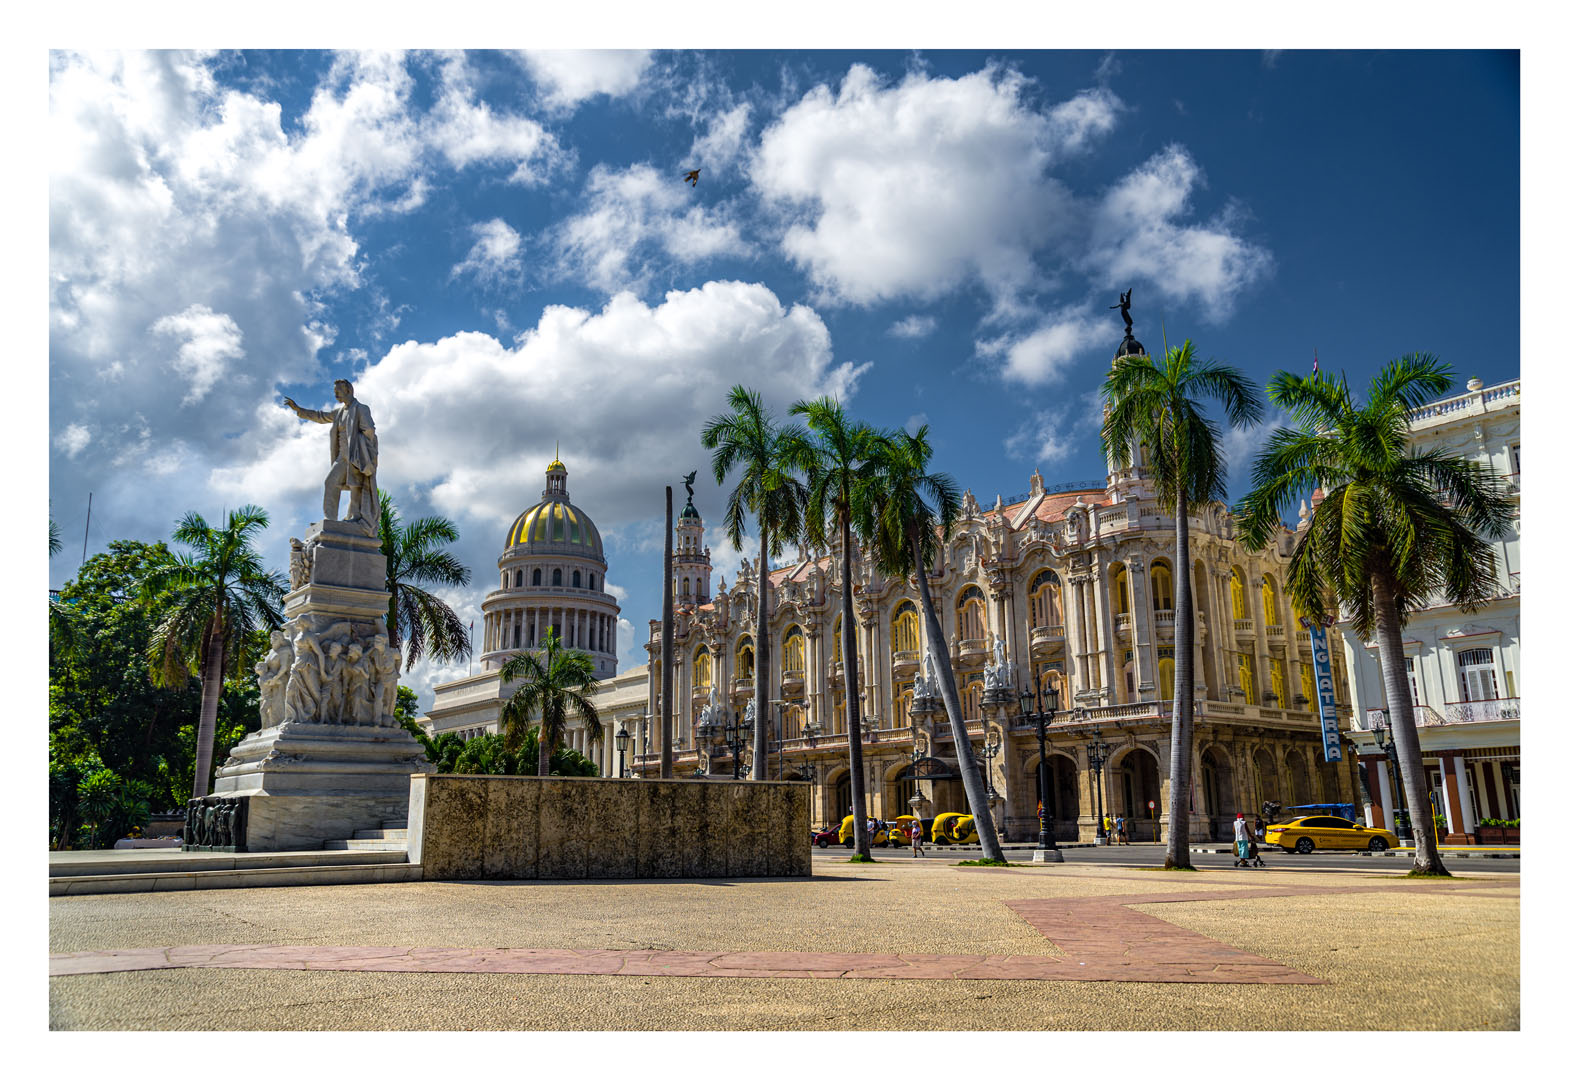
(499, 250)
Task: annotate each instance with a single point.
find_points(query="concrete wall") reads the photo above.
(525, 827)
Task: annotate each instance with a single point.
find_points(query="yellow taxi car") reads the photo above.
(1304, 835)
(952, 828)
(899, 830)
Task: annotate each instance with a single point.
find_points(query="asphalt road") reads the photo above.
(1155, 855)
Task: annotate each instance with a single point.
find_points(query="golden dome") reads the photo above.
(558, 523)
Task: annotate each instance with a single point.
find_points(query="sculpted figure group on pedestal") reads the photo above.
(328, 673)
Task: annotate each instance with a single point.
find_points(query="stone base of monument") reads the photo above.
(330, 758)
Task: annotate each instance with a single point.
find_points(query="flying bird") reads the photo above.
(691, 177)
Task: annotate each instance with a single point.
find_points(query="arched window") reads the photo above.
(1045, 600)
(906, 628)
(686, 587)
(794, 650)
(702, 670)
(1271, 607)
(503, 579)
(1239, 595)
(536, 576)
(1161, 590)
(839, 721)
(1168, 678)
(1050, 678)
(577, 579)
(1245, 677)
(744, 659)
(1277, 680)
(972, 615)
(591, 584)
(1119, 591)
(838, 653)
(555, 576)
(903, 698)
(791, 717)
(970, 697)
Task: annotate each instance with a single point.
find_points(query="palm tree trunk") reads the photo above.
(969, 772)
(542, 766)
(1177, 856)
(207, 724)
(852, 688)
(760, 691)
(1397, 692)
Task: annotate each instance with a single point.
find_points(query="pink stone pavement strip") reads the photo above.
(1102, 940)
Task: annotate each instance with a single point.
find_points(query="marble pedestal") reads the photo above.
(330, 758)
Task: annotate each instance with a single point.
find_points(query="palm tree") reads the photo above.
(839, 460)
(1153, 413)
(221, 596)
(746, 440)
(1396, 530)
(559, 680)
(899, 524)
(414, 558)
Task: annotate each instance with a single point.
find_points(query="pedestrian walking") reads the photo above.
(915, 839)
(1243, 839)
(1122, 830)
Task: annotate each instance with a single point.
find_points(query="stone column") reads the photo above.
(1110, 657)
(1144, 669)
(1078, 632)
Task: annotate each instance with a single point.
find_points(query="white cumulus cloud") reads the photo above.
(210, 341)
(496, 255)
(913, 326)
(569, 77)
(917, 188)
(634, 216)
(1137, 233)
(1044, 354)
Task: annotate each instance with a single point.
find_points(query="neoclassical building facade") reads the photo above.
(1071, 585)
(1463, 667)
(551, 577)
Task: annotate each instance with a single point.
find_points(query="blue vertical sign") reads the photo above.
(1326, 691)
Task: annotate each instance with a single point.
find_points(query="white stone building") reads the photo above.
(1464, 667)
(552, 576)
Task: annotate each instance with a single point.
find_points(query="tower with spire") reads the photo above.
(691, 569)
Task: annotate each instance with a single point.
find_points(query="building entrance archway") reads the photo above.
(1136, 786)
(1220, 790)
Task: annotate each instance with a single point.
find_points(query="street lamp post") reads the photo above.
(990, 750)
(1046, 845)
(1098, 752)
(735, 740)
(622, 738)
(1402, 816)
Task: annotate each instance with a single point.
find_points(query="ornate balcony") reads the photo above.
(791, 681)
(1042, 636)
(1243, 627)
(1276, 633)
(1165, 620)
(972, 649)
(905, 662)
(1472, 712)
(741, 687)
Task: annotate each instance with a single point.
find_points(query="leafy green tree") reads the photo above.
(1398, 529)
(1154, 414)
(554, 680)
(101, 705)
(488, 755)
(111, 806)
(222, 595)
(745, 441)
(416, 558)
(899, 522)
(839, 459)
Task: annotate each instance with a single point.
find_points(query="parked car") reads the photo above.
(1304, 835)
(953, 828)
(899, 832)
(824, 837)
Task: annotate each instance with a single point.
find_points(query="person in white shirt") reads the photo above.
(1244, 837)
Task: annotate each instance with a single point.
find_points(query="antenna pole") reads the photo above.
(86, 528)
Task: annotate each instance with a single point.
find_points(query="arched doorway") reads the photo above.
(1220, 789)
(842, 796)
(1062, 794)
(1136, 786)
(1268, 777)
(1301, 792)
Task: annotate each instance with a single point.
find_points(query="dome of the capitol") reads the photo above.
(555, 522)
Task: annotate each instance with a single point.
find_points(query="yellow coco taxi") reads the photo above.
(1307, 834)
(953, 828)
(847, 833)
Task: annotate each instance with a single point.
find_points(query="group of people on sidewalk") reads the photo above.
(1116, 829)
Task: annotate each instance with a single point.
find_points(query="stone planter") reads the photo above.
(1497, 834)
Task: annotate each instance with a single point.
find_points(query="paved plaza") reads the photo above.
(889, 946)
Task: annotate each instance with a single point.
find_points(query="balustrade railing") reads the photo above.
(1242, 626)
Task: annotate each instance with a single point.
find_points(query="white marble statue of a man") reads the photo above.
(354, 450)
